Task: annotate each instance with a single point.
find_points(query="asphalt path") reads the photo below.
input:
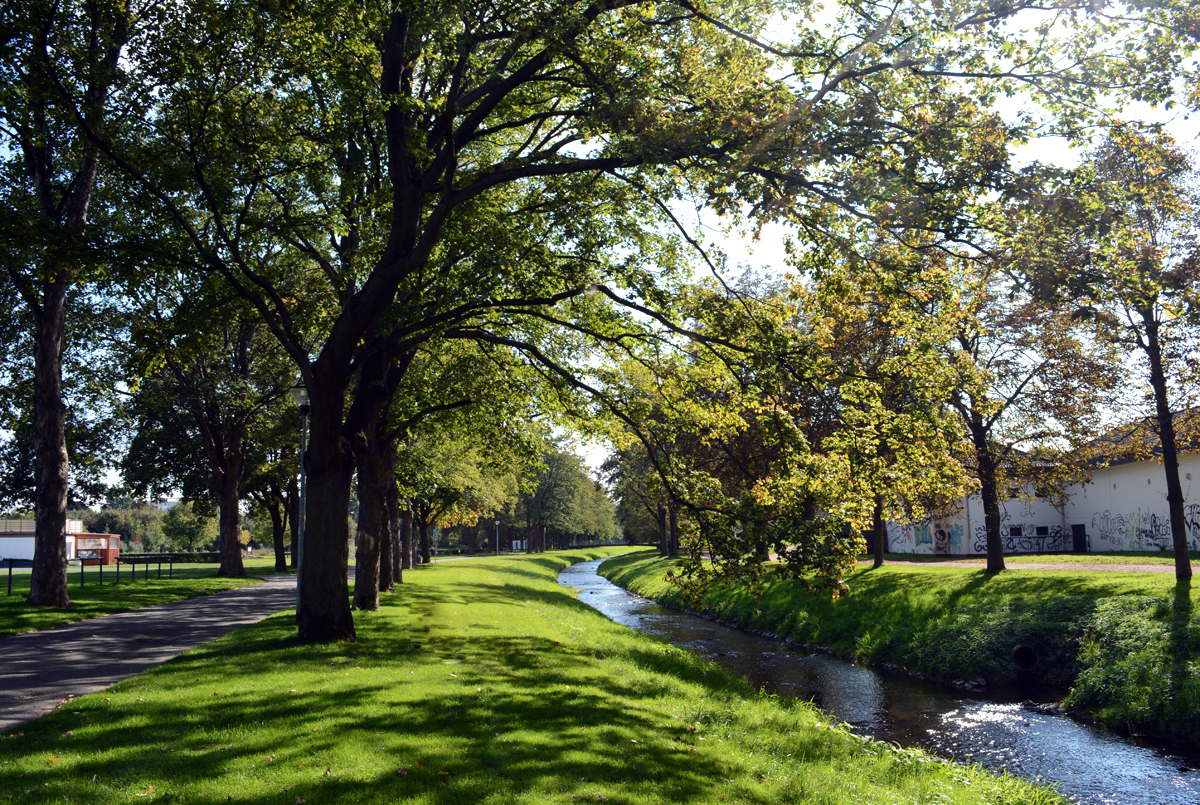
(40, 670)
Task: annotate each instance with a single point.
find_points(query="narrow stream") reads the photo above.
(1089, 764)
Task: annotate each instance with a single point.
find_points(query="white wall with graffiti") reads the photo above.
(1124, 508)
(1027, 527)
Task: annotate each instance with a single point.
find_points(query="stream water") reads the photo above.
(1089, 764)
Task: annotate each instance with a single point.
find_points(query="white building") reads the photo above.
(1123, 508)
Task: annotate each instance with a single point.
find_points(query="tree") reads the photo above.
(213, 386)
(881, 314)
(189, 527)
(1119, 245)
(511, 162)
(50, 174)
(270, 481)
(1040, 384)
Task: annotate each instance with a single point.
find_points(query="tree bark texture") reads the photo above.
(406, 538)
(393, 503)
(662, 530)
(324, 612)
(230, 519)
(990, 495)
(878, 531)
(673, 533)
(372, 522)
(1170, 457)
(293, 502)
(48, 577)
(276, 510)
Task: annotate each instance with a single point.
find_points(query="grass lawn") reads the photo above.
(1109, 558)
(93, 599)
(1124, 646)
(477, 682)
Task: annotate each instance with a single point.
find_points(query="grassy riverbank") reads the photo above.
(94, 599)
(1124, 646)
(480, 681)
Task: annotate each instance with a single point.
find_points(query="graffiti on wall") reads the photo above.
(1028, 540)
(1144, 531)
(921, 534)
(1191, 524)
(1133, 531)
(948, 540)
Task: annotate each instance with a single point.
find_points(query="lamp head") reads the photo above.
(300, 395)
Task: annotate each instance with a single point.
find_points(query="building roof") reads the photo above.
(1139, 441)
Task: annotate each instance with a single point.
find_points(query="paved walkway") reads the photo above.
(38, 670)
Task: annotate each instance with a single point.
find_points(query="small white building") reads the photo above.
(1123, 508)
(17, 542)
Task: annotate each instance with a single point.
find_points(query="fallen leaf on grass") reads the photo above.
(51, 760)
(149, 790)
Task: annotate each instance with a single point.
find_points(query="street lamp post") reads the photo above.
(497, 522)
(300, 395)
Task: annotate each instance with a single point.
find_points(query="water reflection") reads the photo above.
(1090, 765)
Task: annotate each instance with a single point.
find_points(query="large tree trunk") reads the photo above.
(372, 522)
(662, 530)
(990, 494)
(229, 517)
(229, 507)
(63, 201)
(426, 548)
(878, 531)
(395, 524)
(406, 538)
(276, 509)
(293, 503)
(673, 534)
(324, 612)
(48, 577)
(385, 553)
(1170, 456)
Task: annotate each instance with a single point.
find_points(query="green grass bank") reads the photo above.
(1123, 648)
(479, 681)
(93, 598)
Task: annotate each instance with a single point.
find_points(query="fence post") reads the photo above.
(9, 575)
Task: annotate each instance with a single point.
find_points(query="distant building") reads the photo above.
(17, 542)
(1123, 508)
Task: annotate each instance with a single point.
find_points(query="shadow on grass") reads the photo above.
(383, 719)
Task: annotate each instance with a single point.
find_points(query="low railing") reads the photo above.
(147, 559)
